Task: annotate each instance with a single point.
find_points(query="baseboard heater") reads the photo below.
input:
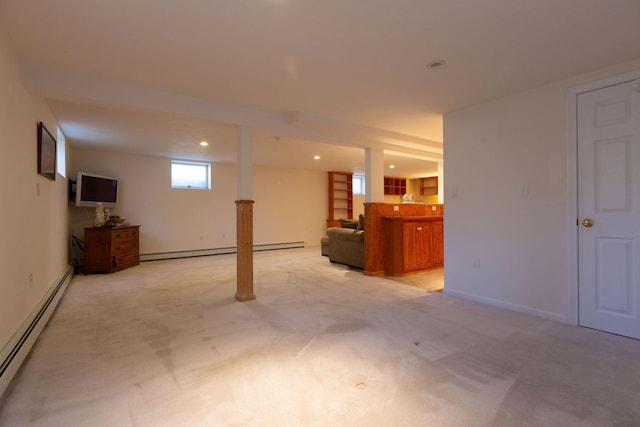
(217, 251)
(18, 347)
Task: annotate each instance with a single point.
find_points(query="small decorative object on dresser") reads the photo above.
(98, 219)
(109, 249)
(115, 221)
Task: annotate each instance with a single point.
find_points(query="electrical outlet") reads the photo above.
(396, 208)
(524, 190)
(476, 263)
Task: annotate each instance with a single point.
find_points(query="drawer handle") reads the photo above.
(117, 235)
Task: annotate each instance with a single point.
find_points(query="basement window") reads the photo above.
(61, 152)
(190, 175)
(357, 185)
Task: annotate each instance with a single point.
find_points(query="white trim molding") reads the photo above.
(217, 251)
(507, 306)
(16, 350)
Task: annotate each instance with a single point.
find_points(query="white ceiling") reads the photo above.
(328, 77)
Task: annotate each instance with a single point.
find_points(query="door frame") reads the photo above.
(572, 180)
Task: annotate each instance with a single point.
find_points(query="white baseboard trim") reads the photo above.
(217, 251)
(507, 305)
(16, 350)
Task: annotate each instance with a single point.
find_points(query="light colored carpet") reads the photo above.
(165, 344)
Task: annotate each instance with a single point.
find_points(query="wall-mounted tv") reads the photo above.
(91, 189)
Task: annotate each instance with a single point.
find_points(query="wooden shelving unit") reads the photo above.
(395, 185)
(340, 197)
(429, 186)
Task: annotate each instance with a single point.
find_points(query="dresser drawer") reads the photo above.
(124, 247)
(124, 241)
(124, 234)
(121, 262)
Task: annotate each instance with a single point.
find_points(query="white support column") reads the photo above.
(440, 181)
(244, 160)
(244, 217)
(374, 180)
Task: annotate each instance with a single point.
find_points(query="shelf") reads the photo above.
(429, 186)
(394, 185)
(340, 196)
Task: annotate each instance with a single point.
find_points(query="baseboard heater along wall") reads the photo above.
(217, 251)
(18, 347)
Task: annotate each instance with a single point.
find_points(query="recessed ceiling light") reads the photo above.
(204, 143)
(437, 64)
(392, 166)
(316, 157)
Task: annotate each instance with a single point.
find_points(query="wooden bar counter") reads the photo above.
(412, 243)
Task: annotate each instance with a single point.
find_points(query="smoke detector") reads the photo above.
(437, 64)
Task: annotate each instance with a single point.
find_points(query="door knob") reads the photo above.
(587, 222)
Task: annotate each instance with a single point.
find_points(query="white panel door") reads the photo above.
(609, 197)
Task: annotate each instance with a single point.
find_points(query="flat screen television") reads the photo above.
(91, 189)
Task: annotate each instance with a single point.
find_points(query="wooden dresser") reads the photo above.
(109, 249)
(412, 243)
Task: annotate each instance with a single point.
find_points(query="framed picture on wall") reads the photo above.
(46, 153)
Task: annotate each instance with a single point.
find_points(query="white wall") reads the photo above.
(358, 205)
(490, 151)
(34, 227)
(290, 205)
